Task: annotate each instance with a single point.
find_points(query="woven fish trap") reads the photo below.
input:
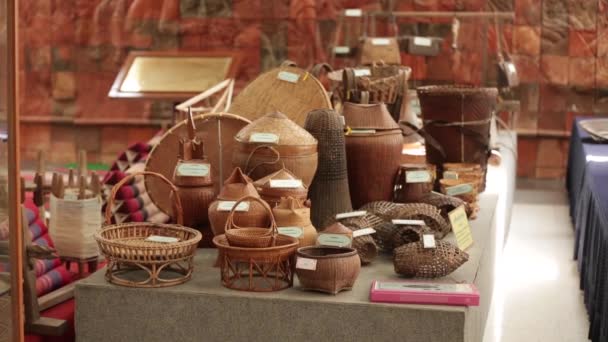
(384, 209)
(445, 203)
(427, 213)
(365, 245)
(413, 260)
(404, 234)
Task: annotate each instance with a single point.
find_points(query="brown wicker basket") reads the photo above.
(413, 260)
(445, 203)
(337, 268)
(250, 237)
(427, 213)
(470, 196)
(412, 182)
(291, 212)
(257, 269)
(384, 209)
(130, 256)
(273, 195)
(365, 245)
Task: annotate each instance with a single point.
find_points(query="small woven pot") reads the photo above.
(250, 237)
(336, 270)
(413, 260)
(413, 181)
(272, 195)
(291, 212)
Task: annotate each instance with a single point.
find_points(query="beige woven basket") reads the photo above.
(136, 262)
(250, 237)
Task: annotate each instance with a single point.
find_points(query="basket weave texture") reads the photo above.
(250, 237)
(413, 260)
(365, 245)
(336, 270)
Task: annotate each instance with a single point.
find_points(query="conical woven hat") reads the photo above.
(288, 132)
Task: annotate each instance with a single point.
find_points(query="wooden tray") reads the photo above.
(163, 157)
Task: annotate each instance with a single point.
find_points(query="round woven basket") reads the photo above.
(257, 269)
(136, 262)
(250, 237)
(337, 268)
(427, 213)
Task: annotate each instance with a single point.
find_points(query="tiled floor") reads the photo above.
(537, 295)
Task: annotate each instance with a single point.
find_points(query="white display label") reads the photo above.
(286, 183)
(162, 239)
(380, 41)
(450, 175)
(342, 120)
(428, 240)
(295, 232)
(362, 72)
(409, 222)
(341, 50)
(306, 264)
(362, 131)
(363, 232)
(423, 41)
(459, 189)
(288, 77)
(351, 214)
(228, 205)
(193, 170)
(420, 176)
(264, 138)
(338, 240)
(353, 12)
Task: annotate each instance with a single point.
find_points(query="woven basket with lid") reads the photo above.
(329, 191)
(277, 142)
(235, 187)
(291, 214)
(373, 152)
(272, 195)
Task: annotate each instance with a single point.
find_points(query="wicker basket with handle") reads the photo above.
(128, 250)
(250, 237)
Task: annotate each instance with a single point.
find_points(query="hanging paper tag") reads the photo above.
(193, 170)
(353, 12)
(362, 72)
(295, 232)
(338, 240)
(351, 214)
(162, 239)
(228, 205)
(420, 176)
(288, 77)
(461, 228)
(341, 50)
(306, 264)
(286, 183)
(423, 41)
(363, 232)
(380, 41)
(342, 121)
(264, 138)
(409, 222)
(450, 175)
(459, 189)
(362, 131)
(428, 241)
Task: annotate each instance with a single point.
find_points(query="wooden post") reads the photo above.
(82, 163)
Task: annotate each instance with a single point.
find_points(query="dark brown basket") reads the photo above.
(413, 260)
(384, 209)
(427, 213)
(458, 119)
(365, 245)
(337, 268)
(329, 192)
(250, 237)
(405, 192)
(445, 203)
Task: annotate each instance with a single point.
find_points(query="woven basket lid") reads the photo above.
(269, 92)
(289, 132)
(163, 157)
(368, 116)
(338, 228)
(237, 186)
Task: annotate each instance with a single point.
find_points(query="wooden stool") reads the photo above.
(91, 262)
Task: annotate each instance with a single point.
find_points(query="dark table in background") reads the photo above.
(587, 182)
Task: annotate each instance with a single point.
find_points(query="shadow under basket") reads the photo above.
(257, 269)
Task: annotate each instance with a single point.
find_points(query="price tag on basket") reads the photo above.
(461, 227)
(428, 241)
(353, 12)
(351, 214)
(338, 240)
(295, 232)
(362, 72)
(423, 41)
(162, 239)
(286, 183)
(342, 50)
(420, 176)
(193, 170)
(228, 205)
(408, 222)
(306, 264)
(450, 175)
(363, 232)
(264, 138)
(381, 41)
(288, 77)
(459, 189)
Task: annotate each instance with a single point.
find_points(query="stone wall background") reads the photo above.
(72, 49)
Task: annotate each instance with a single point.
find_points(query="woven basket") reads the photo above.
(365, 245)
(257, 269)
(407, 187)
(458, 119)
(413, 260)
(445, 203)
(405, 234)
(295, 149)
(329, 191)
(427, 213)
(273, 196)
(291, 212)
(337, 268)
(384, 209)
(469, 197)
(217, 130)
(269, 93)
(250, 237)
(128, 252)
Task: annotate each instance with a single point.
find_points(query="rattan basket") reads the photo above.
(413, 260)
(365, 245)
(130, 255)
(427, 213)
(383, 209)
(336, 268)
(250, 237)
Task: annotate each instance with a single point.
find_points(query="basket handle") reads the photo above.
(248, 172)
(230, 220)
(177, 203)
(396, 183)
(318, 68)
